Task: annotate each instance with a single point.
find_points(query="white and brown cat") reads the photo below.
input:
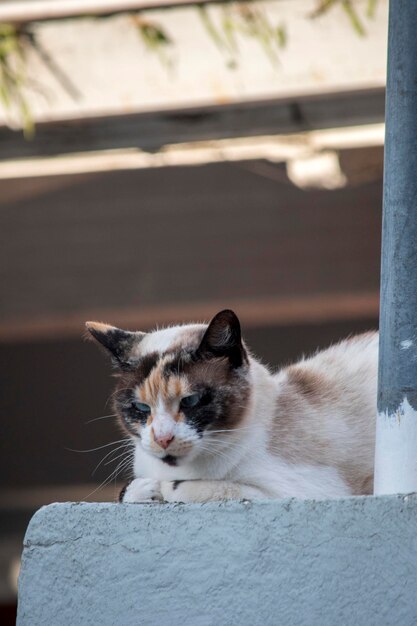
(210, 422)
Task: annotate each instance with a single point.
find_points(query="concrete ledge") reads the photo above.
(289, 563)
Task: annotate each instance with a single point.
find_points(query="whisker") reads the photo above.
(122, 466)
(104, 417)
(123, 445)
(218, 453)
(225, 447)
(108, 479)
(106, 445)
(228, 430)
(124, 453)
(115, 392)
(221, 445)
(230, 443)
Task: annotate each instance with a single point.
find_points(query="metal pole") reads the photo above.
(396, 432)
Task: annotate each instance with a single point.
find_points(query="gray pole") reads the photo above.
(396, 433)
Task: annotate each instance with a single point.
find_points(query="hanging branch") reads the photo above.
(12, 75)
(14, 44)
(62, 78)
(371, 10)
(155, 38)
(350, 10)
(246, 20)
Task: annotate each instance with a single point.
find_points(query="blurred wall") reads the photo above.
(199, 238)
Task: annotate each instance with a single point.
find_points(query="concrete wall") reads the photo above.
(293, 563)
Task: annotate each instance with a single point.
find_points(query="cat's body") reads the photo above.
(210, 422)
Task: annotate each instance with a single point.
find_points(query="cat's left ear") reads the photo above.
(120, 343)
(223, 339)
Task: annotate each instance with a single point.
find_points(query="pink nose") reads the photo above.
(163, 440)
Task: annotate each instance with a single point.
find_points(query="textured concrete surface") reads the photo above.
(289, 563)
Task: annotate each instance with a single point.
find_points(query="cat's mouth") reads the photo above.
(174, 454)
(171, 460)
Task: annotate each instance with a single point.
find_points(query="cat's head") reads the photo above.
(179, 385)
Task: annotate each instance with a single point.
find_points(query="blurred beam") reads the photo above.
(152, 130)
(257, 312)
(43, 10)
(273, 148)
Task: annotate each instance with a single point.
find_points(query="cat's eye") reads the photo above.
(142, 407)
(188, 402)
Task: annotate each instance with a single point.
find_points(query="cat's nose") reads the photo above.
(163, 440)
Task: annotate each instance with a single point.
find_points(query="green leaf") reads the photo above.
(212, 32)
(229, 31)
(7, 30)
(4, 94)
(354, 17)
(12, 66)
(322, 7)
(371, 9)
(28, 123)
(153, 34)
(281, 36)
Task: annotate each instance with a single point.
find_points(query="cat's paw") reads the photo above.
(142, 490)
(178, 490)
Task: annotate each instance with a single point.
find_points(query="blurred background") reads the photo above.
(160, 161)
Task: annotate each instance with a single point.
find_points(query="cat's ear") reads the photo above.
(223, 339)
(120, 343)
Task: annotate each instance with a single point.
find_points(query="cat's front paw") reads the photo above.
(173, 490)
(142, 490)
(182, 491)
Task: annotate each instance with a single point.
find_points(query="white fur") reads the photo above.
(142, 490)
(162, 340)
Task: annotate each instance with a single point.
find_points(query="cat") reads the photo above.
(210, 422)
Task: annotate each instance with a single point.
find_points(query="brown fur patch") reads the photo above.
(157, 384)
(99, 327)
(312, 385)
(232, 385)
(294, 438)
(367, 487)
(360, 486)
(214, 371)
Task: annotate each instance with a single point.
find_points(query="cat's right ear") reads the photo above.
(223, 339)
(119, 343)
